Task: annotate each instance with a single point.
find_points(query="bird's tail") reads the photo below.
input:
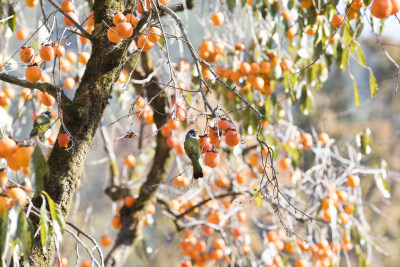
(197, 170)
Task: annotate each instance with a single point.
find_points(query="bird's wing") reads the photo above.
(191, 146)
(40, 120)
(197, 149)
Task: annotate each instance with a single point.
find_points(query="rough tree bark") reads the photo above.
(82, 117)
(132, 219)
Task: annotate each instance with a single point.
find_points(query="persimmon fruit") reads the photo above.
(67, 6)
(124, 29)
(69, 22)
(118, 18)
(217, 18)
(22, 34)
(26, 54)
(112, 35)
(7, 147)
(47, 53)
(232, 138)
(154, 34)
(144, 43)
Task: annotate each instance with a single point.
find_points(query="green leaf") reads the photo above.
(381, 180)
(268, 107)
(360, 27)
(317, 50)
(382, 185)
(257, 197)
(355, 236)
(21, 233)
(56, 214)
(3, 236)
(45, 233)
(286, 82)
(306, 101)
(295, 156)
(356, 91)
(314, 72)
(367, 2)
(39, 169)
(364, 142)
(161, 42)
(344, 58)
(231, 5)
(144, 249)
(347, 34)
(13, 21)
(373, 85)
(361, 57)
(27, 235)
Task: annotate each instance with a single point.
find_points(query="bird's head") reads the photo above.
(191, 134)
(46, 113)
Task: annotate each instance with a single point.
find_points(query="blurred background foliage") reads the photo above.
(334, 112)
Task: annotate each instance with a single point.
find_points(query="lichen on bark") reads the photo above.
(82, 118)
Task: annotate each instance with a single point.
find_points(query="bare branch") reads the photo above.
(44, 87)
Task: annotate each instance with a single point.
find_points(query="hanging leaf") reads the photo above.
(144, 249)
(13, 21)
(306, 101)
(294, 155)
(344, 58)
(231, 5)
(161, 42)
(347, 35)
(257, 197)
(56, 214)
(382, 185)
(356, 91)
(21, 233)
(361, 57)
(364, 141)
(39, 169)
(45, 233)
(381, 180)
(268, 107)
(355, 236)
(139, 252)
(3, 237)
(373, 85)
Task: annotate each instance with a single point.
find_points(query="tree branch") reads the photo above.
(84, 32)
(44, 87)
(201, 203)
(132, 218)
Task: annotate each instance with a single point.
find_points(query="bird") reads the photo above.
(41, 123)
(192, 150)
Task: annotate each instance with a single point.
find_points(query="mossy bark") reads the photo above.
(82, 117)
(132, 219)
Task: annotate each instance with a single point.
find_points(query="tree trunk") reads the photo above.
(82, 118)
(132, 219)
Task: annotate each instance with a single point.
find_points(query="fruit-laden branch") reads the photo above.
(201, 203)
(132, 218)
(198, 61)
(44, 87)
(83, 31)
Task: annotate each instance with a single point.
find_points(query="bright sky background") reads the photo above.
(391, 30)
